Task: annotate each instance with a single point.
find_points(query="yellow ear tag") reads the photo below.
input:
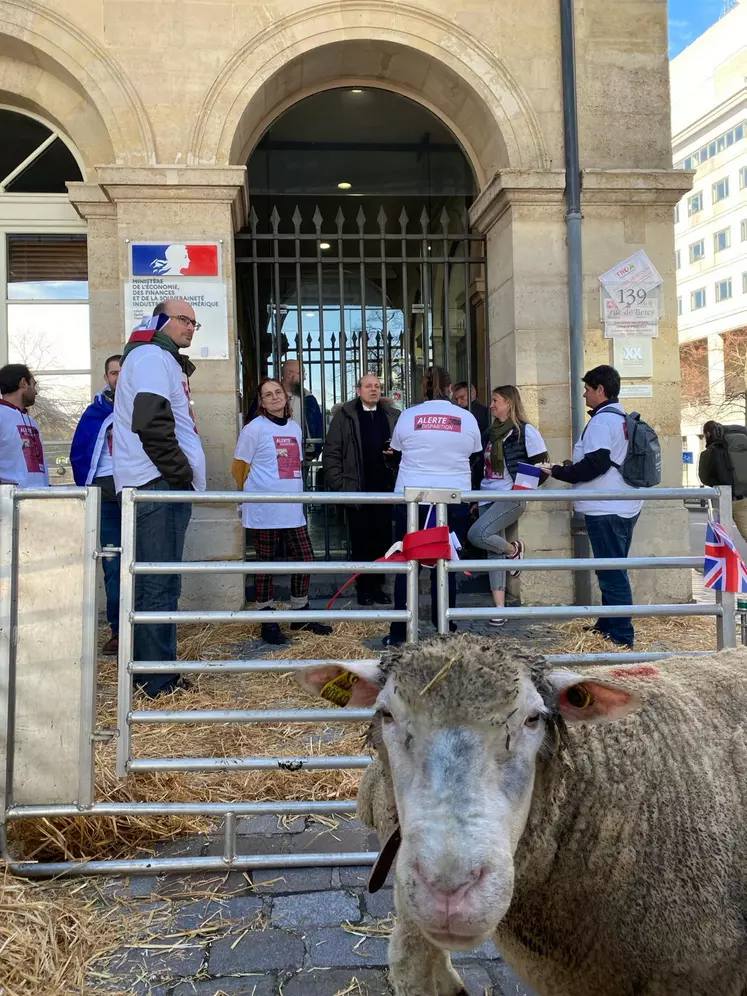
(339, 690)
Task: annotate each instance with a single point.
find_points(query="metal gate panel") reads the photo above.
(53, 653)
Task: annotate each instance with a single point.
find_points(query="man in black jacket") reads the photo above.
(465, 395)
(157, 448)
(353, 460)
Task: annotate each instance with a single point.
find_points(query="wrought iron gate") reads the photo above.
(363, 292)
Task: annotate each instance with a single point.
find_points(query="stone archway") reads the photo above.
(55, 68)
(414, 53)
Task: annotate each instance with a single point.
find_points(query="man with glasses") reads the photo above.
(157, 448)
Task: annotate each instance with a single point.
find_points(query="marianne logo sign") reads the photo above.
(190, 271)
(439, 423)
(176, 259)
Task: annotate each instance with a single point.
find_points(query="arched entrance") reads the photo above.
(358, 257)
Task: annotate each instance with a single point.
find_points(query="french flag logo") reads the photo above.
(177, 259)
(527, 477)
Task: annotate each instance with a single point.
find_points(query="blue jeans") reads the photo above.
(611, 536)
(458, 515)
(160, 533)
(110, 534)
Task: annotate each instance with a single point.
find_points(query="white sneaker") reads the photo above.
(498, 622)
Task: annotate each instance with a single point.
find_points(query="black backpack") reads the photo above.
(641, 467)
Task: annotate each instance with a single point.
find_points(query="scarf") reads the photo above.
(498, 433)
(161, 339)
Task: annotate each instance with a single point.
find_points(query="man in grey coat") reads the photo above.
(353, 460)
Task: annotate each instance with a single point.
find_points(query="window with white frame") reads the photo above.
(744, 283)
(698, 299)
(679, 305)
(743, 178)
(676, 214)
(695, 204)
(722, 240)
(44, 319)
(720, 190)
(743, 229)
(697, 251)
(723, 289)
(678, 259)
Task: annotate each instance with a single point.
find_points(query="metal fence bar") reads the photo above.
(329, 763)
(126, 634)
(86, 783)
(293, 808)
(586, 611)
(390, 498)
(629, 657)
(413, 590)
(271, 567)
(231, 667)
(150, 717)
(442, 577)
(279, 615)
(183, 866)
(602, 563)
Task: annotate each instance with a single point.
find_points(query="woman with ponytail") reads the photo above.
(434, 442)
(510, 440)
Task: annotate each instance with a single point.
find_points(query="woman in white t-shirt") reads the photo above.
(435, 441)
(509, 440)
(268, 459)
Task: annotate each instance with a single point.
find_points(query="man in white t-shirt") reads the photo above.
(157, 448)
(597, 458)
(22, 460)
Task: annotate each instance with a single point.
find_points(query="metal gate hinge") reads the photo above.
(108, 551)
(104, 736)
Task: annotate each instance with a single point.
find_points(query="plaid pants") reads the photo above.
(297, 547)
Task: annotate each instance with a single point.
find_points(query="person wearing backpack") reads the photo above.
(600, 464)
(724, 461)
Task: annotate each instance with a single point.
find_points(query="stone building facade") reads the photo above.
(162, 104)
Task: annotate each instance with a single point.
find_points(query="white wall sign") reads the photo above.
(191, 271)
(637, 391)
(633, 356)
(630, 297)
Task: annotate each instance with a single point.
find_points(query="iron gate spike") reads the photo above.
(297, 219)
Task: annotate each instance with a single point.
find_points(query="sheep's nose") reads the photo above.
(448, 897)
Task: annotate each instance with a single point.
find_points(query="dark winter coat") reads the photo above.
(342, 457)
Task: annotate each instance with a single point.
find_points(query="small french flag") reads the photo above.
(151, 323)
(527, 477)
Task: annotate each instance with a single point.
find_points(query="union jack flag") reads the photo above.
(724, 569)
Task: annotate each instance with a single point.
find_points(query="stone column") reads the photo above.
(523, 216)
(175, 204)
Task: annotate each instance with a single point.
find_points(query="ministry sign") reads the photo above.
(190, 271)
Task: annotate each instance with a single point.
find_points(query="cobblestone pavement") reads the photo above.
(276, 932)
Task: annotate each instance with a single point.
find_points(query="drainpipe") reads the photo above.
(582, 579)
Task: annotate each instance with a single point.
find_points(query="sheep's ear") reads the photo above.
(349, 683)
(588, 700)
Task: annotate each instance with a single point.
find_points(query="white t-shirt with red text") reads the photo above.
(273, 453)
(492, 480)
(436, 440)
(22, 460)
(152, 370)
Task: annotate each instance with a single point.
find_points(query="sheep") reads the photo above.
(593, 824)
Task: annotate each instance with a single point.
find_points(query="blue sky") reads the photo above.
(688, 19)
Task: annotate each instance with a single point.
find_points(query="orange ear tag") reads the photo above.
(339, 690)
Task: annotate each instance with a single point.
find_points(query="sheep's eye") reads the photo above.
(532, 721)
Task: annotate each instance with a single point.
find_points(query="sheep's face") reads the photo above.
(459, 723)
(463, 785)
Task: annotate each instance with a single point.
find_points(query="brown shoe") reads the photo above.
(111, 647)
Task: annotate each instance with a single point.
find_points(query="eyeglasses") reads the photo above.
(187, 321)
(275, 396)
